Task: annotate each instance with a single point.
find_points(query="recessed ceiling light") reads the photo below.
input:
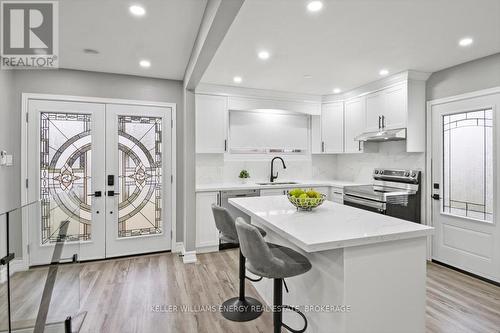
(145, 63)
(467, 41)
(307, 76)
(137, 10)
(336, 90)
(237, 79)
(264, 55)
(383, 72)
(90, 51)
(314, 6)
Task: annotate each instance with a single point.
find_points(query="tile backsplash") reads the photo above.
(212, 168)
(390, 155)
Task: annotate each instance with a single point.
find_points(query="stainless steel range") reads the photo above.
(393, 192)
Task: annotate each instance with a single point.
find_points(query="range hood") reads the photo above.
(383, 135)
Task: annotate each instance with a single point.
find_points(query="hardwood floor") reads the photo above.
(132, 295)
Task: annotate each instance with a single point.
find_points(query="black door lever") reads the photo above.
(96, 194)
(435, 196)
(112, 193)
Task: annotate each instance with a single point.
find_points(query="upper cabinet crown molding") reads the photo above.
(248, 99)
(375, 86)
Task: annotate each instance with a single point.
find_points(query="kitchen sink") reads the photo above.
(278, 183)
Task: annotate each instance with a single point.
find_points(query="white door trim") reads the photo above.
(428, 150)
(25, 97)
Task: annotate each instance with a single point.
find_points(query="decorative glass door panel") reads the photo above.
(468, 164)
(138, 156)
(66, 170)
(65, 175)
(139, 176)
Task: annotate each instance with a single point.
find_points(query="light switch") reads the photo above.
(5, 159)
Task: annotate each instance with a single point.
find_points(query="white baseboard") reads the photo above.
(208, 249)
(16, 265)
(178, 247)
(188, 257)
(3, 274)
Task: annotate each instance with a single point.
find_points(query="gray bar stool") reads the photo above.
(275, 262)
(239, 308)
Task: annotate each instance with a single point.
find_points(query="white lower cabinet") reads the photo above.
(207, 235)
(273, 191)
(337, 194)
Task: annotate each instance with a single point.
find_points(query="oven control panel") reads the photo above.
(412, 176)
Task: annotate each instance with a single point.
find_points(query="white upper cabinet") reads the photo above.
(375, 108)
(387, 108)
(316, 140)
(332, 127)
(396, 107)
(211, 124)
(354, 117)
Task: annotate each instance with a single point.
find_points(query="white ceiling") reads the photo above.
(349, 41)
(165, 35)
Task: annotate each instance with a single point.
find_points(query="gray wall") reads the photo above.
(467, 77)
(80, 83)
(8, 142)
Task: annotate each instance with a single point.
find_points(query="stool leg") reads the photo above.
(242, 277)
(241, 308)
(277, 303)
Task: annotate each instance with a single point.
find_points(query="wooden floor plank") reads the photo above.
(132, 295)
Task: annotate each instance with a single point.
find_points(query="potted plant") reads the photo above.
(244, 175)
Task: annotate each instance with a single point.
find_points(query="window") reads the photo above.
(268, 131)
(468, 164)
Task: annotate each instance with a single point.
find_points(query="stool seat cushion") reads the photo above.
(286, 263)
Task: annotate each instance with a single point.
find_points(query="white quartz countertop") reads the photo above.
(330, 226)
(253, 185)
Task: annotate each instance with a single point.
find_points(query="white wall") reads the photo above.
(211, 169)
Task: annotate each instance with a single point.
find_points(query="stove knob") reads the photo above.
(376, 172)
(381, 172)
(413, 174)
(407, 174)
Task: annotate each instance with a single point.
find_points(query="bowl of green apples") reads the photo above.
(305, 200)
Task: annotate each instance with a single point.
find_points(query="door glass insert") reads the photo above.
(139, 178)
(468, 164)
(65, 175)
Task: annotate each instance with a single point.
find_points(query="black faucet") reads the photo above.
(273, 177)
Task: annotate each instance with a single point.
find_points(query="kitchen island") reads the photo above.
(369, 269)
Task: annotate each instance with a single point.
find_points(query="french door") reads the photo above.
(465, 184)
(102, 175)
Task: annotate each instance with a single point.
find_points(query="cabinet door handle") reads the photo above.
(225, 145)
(322, 146)
(383, 121)
(359, 145)
(379, 119)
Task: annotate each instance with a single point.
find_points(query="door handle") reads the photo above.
(96, 194)
(112, 193)
(436, 197)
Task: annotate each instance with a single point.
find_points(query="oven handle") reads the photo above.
(369, 203)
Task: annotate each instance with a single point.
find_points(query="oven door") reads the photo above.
(366, 204)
